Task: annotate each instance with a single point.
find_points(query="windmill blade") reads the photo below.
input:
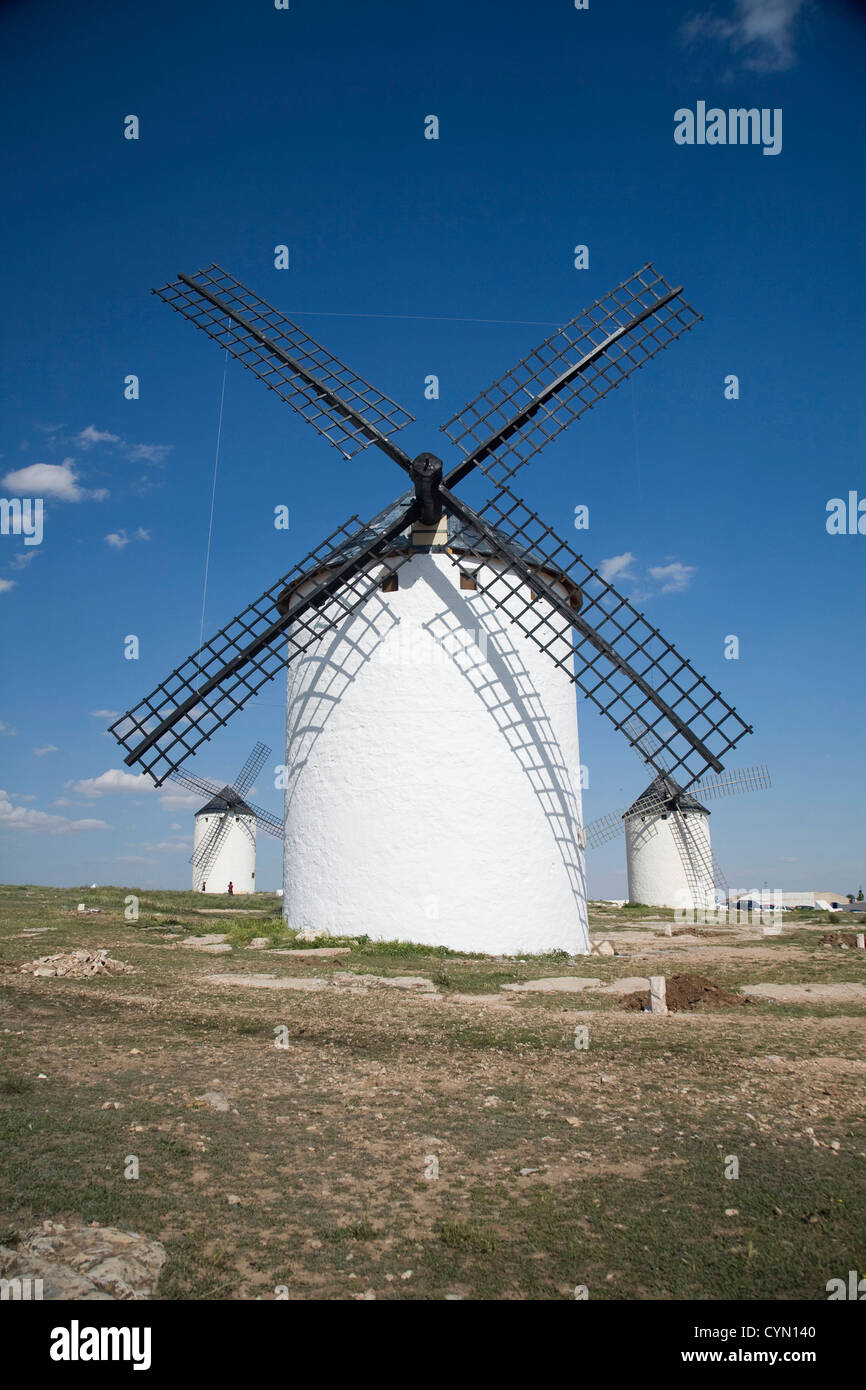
(251, 768)
(200, 852)
(194, 783)
(215, 845)
(203, 693)
(567, 374)
(637, 728)
(604, 828)
(741, 779)
(342, 406)
(607, 648)
(267, 821)
(696, 856)
(207, 851)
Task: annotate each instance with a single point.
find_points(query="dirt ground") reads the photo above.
(377, 1137)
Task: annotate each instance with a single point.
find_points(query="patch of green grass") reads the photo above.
(466, 1235)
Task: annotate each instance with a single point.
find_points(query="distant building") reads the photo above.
(770, 897)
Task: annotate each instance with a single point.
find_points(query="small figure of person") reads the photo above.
(203, 887)
(231, 889)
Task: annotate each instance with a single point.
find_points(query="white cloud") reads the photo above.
(6, 585)
(173, 799)
(46, 748)
(616, 565)
(104, 713)
(148, 453)
(90, 436)
(51, 480)
(168, 846)
(760, 31)
(133, 859)
(17, 796)
(118, 539)
(22, 560)
(6, 732)
(673, 578)
(114, 780)
(18, 818)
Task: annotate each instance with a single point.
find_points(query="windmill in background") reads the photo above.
(440, 804)
(224, 843)
(669, 857)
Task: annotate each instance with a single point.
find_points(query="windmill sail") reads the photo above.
(203, 693)
(568, 374)
(342, 406)
(608, 649)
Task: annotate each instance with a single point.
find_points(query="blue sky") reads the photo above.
(408, 257)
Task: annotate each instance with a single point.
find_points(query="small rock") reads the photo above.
(215, 1099)
(603, 948)
(732, 1211)
(233, 1200)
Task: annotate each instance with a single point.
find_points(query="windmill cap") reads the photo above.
(461, 540)
(662, 789)
(226, 800)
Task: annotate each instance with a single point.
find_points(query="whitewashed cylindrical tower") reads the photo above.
(433, 768)
(668, 854)
(235, 859)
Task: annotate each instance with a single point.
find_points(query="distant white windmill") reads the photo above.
(669, 857)
(224, 843)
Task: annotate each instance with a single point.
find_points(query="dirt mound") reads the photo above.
(838, 938)
(685, 993)
(78, 965)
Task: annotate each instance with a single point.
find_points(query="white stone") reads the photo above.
(554, 984)
(603, 948)
(658, 990)
(433, 791)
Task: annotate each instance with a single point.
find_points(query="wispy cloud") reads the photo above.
(22, 560)
(57, 480)
(6, 585)
(6, 732)
(104, 713)
(759, 32)
(673, 578)
(46, 748)
(148, 453)
(119, 539)
(616, 566)
(90, 436)
(20, 818)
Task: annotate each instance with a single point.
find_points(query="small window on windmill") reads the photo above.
(391, 583)
(468, 581)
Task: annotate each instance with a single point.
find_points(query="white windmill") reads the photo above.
(432, 749)
(224, 842)
(669, 857)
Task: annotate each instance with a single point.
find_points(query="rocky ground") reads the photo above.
(260, 1117)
